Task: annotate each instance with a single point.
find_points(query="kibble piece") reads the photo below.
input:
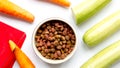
(67, 37)
(73, 41)
(46, 36)
(69, 43)
(40, 31)
(48, 43)
(46, 50)
(55, 55)
(56, 33)
(61, 43)
(52, 50)
(56, 24)
(39, 48)
(53, 30)
(55, 43)
(44, 26)
(64, 41)
(47, 57)
(59, 47)
(43, 54)
(67, 46)
(73, 37)
(62, 38)
(51, 34)
(63, 56)
(52, 56)
(58, 53)
(46, 32)
(63, 46)
(57, 36)
(49, 27)
(64, 32)
(66, 50)
(43, 48)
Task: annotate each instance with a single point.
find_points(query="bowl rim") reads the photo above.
(39, 54)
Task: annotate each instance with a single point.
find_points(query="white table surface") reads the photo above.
(42, 10)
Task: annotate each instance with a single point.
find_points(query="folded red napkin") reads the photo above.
(7, 33)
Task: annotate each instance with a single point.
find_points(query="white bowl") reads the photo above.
(50, 60)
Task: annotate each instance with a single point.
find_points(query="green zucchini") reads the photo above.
(88, 8)
(105, 58)
(102, 30)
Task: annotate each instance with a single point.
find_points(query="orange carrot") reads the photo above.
(64, 3)
(12, 9)
(21, 58)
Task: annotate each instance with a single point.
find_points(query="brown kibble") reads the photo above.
(67, 37)
(59, 47)
(52, 30)
(48, 54)
(48, 43)
(61, 43)
(73, 37)
(70, 35)
(63, 56)
(64, 32)
(67, 46)
(52, 56)
(62, 51)
(66, 29)
(56, 33)
(66, 50)
(62, 38)
(73, 42)
(38, 45)
(46, 36)
(72, 48)
(47, 57)
(56, 24)
(52, 46)
(43, 54)
(68, 42)
(43, 48)
(37, 37)
(42, 36)
(59, 32)
(52, 50)
(46, 50)
(62, 28)
(55, 42)
(51, 38)
(58, 40)
(69, 51)
(39, 48)
(64, 41)
(57, 36)
(48, 27)
(44, 26)
(63, 46)
(55, 55)
(51, 34)
(46, 32)
(46, 46)
(58, 53)
(40, 31)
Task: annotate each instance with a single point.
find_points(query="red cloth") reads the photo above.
(7, 33)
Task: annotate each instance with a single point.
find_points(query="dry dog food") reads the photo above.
(55, 39)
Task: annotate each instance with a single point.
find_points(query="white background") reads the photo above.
(42, 10)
